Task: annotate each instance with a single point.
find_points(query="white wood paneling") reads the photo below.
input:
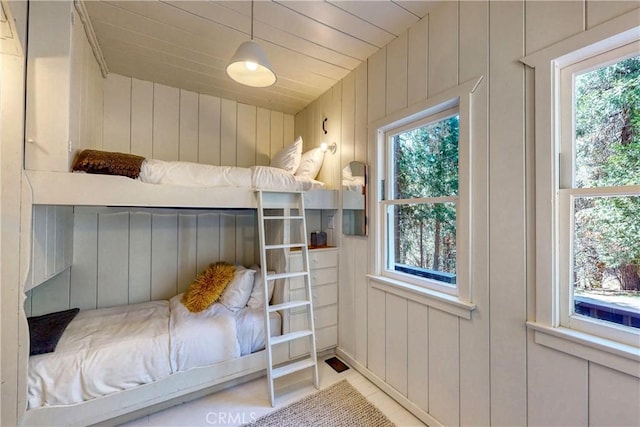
(418, 354)
(209, 130)
(475, 386)
(547, 23)
(164, 256)
(347, 136)
(376, 336)
(444, 374)
(507, 223)
(124, 256)
(598, 12)
(141, 117)
(246, 140)
(117, 113)
(396, 366)
(376, 85)
(113, 256)
(228, 131)
(361, 300)
(139, 257)
(443, 48)
(397, 74)
(361, 152)
(613, 397)
(553, 374)
(189, 117)
(83, 293)
(166, 122)
(418, 61)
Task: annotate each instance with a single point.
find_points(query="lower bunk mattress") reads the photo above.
(113, 349)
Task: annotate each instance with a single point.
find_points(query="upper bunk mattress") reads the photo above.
(200, 175)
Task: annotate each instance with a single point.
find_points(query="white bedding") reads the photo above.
(112, 349)
(200, 175)
(103, 351)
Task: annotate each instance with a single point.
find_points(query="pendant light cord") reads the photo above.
(251, 19)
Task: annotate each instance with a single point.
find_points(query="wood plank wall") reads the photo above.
(125, 256)
(487, 370)
(166, 123)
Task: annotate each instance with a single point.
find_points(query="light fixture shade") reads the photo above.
(250, 66)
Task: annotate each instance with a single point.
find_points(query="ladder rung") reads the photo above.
(287, 305)
(286, 275)
(291, 336)
(290, 368)
(286, 246)
(283, 217)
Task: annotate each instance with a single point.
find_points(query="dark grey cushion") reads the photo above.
(45, 331)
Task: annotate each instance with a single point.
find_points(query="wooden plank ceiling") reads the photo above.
(187, 44)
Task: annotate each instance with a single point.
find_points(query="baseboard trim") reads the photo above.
(418, 412)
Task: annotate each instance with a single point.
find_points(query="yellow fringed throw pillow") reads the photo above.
(208, 286)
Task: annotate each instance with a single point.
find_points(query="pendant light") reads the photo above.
(250, 65)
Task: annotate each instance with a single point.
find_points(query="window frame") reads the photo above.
(387, 204)
(460, 98)
(599, 346)
(568, 192)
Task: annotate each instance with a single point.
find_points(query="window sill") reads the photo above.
(447, 303)
(621, 357)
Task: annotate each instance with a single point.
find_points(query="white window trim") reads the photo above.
(547, 64)
(459, 97)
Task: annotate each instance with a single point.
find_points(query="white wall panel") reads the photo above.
(396, 73)
(444, 374)
(141, 118)
(187, 250)
(376, 85)
(598, 12)
(376, 341)
(443, 48)
(418, 61)
(361, 300)
(166, 122)
(263, 137)
(613, 397)
(418, 354)
(117, 113)
(209, 130)
(246, 141)
(558, 388)
(164, 256)
(189, 117)
(84, 277)
(549, 22)
(208, 240)
(139, 257)
(396, 343)
(277, 132)
(507, 221)
(113, 259)
(228, 132)
(475, 388)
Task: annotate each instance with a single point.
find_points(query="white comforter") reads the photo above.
(200, 175)
(113, 349)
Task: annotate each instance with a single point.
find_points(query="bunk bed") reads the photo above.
(169, 383)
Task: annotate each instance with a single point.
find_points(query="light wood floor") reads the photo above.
(246, 402)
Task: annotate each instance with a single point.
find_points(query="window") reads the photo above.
(422, 202)
(587, 193)
(423, 194)
(599, 193)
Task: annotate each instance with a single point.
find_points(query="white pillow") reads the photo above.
(238, 291)
(310, 163)
(257, 295)
(289, 157)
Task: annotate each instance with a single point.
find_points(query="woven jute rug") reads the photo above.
(339, 405)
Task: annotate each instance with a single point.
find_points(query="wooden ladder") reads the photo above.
(284, 203)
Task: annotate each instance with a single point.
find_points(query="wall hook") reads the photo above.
(324, 121)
